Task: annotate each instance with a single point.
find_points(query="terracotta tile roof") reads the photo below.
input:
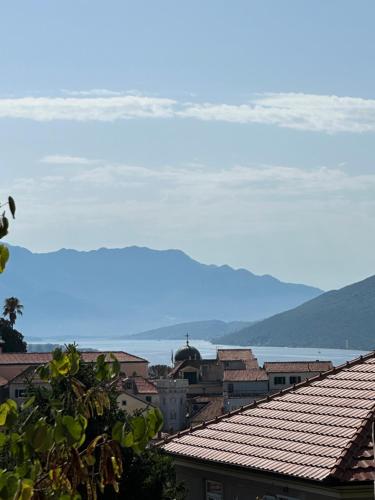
(317, 430)
(37, 358)
(243, 375)
(144, 386)
(213, 408)
(297, 366)
(234, 354)
(3, 381)
(252, 364)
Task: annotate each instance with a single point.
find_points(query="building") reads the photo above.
(283, 374)
(172, 402)
(240, 387)
(312, 441)
(143, 388)
(16, 367)
(130, 402)
(205, 376)
(203, 408)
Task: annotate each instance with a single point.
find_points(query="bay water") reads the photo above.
(160, 351)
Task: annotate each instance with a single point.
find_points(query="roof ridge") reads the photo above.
(298, 361)
(269, 397)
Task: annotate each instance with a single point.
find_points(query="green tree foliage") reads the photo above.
(12, 309)
(13, 339)
(150, 475)
(67, 440)
(4, 226)
(159, 371)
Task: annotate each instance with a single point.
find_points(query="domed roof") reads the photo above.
(188, 352)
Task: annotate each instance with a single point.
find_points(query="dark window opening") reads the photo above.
(279, 380)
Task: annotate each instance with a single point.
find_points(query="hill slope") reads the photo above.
(334, 319)
(204, 330)
(114, 291)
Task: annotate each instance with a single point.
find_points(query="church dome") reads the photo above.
(188, 352)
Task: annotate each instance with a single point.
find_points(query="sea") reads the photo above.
(161, 351)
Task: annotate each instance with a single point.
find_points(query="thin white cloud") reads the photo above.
(321, 113)
(86, 108)
(94, 92)
(68, 160)
(309, 112)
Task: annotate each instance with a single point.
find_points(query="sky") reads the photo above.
(239, 132)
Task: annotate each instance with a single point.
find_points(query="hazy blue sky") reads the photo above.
(240, 132)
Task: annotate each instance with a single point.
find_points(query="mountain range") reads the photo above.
(122, 291)
(203, 330)
(338, 319)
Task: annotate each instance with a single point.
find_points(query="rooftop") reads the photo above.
(27, 358)
(234, 354)
(214, 406)
(297, 366)
(144, 386)
(318, 430)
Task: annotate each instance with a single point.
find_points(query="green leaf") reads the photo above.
(3, 439)
(127, 440)
(4, 225)
(27, 490)
(4, 256)
(5, 409)
(75, 428)
(28, 403)
(139, 427)
(117, 431)
(12, 206)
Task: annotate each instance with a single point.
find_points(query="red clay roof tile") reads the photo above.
(297, 366)
(44, 357)
(310, 431)
(234, 354)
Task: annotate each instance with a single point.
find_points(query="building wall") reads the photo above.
(234, 364)
(251, 486)
(246, 387)
(211, 371)
(16, 388)
(233, 403)
(172, 403)
(277, 387)
(129, 403)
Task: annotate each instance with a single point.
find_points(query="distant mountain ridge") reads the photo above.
(123, 291)
(338, 319)
(203, 330)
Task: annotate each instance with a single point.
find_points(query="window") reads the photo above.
(295, 380)
(230, 387)
(124, 402)
(20, 393)
(148, 399)
(191, 377)
(279, 380)
(214, 490)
